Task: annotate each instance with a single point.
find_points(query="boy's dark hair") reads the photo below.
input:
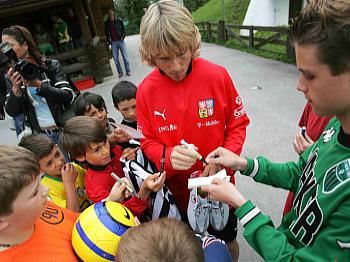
(123, 90)
(39, 144)
(84, 102)
(325, 24)
(19, 167)
(165, 239)
(79, 132)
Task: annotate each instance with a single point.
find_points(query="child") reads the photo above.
(30, 228)
(84, 138)
(124, 100)
(65, 181)
(168, 239)
(92, 105)
(317, 228)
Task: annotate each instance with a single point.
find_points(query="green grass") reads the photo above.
(271, 51)
(235, 11)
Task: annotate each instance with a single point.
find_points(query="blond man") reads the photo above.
(186, 97)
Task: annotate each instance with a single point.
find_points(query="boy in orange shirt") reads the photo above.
(30, 228)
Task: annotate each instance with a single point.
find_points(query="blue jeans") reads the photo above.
(116, 46)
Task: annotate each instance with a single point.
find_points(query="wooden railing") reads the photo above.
(91, 60)
(277, 36)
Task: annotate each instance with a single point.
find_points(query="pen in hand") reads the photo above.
(188, 146)
(133, 192)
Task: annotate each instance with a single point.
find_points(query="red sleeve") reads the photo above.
(98, 186)
(135, 205)
(304, 117)
(236, 119)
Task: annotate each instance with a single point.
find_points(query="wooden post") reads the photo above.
(209, 31)
(290, 50)
(91, 17)
(251, 37)
(221, 31)
(79, 9)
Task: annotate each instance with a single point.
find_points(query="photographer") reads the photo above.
(39, 91)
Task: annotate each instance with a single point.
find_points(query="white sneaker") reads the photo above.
(198, 212)
(218, 215)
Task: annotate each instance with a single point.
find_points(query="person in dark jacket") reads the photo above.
(115, 33)
(38, 105)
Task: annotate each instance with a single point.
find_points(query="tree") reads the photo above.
(133, 14)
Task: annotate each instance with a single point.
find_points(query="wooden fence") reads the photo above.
(277, 36)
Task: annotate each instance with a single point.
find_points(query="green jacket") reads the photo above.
(318, 226)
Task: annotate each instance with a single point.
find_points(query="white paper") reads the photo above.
(206, 181)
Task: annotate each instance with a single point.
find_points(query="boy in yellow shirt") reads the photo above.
(64, 180)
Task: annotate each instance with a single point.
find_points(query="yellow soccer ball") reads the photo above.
(97, 231)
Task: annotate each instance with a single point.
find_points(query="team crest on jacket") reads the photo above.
(206, 108)
(327, 135)
(336, 176)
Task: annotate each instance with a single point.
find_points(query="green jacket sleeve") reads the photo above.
(274, 245)
(279, 175)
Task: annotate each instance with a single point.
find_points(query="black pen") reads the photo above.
(162, 161)
(188, 146)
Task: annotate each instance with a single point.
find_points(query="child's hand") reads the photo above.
(129, 153)
(69, 174)
(117, 193)
(301, 143)
(127, 193)
(153, 183)
(121, 136)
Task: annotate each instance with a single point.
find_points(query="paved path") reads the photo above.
(274, 111)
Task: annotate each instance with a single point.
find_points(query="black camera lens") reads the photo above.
(27, 70)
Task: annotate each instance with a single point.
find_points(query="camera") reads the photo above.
(8, 58)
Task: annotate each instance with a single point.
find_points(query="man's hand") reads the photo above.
(302, 143)
(182, 158)
(224, 191)
(226, 158)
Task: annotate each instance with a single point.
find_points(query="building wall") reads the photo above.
(266, 13)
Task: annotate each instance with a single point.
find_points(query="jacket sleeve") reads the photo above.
(273, 245)
(14, 104)
(279, 175)
(236, 119)
(135, 205)
(59, 89)
(107, 32)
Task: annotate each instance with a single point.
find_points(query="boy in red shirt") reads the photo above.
(85, 139)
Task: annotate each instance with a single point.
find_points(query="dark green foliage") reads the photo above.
(132, 12)
(193, 5)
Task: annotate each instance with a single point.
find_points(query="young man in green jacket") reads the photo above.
(317, 228)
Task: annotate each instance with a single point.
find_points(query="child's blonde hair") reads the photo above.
(165, 239)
